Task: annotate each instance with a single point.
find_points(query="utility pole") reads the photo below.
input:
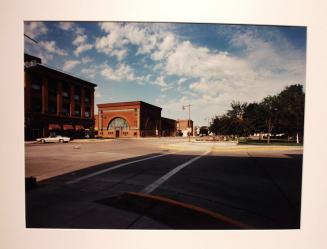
(189, 120)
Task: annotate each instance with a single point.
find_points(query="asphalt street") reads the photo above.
(150, 184)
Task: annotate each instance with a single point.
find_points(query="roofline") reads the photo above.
(60, 72)
(186, 120)
(169, 119)
(116, 104)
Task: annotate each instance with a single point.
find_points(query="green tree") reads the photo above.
(232, 123)
(270, 107)
(204, 130)
(291, 111)
(281, 113)
(254, 117)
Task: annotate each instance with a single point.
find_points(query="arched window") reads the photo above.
(118, 123)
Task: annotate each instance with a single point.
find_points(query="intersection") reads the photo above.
(163, 184)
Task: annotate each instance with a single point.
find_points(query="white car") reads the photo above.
(54, 139)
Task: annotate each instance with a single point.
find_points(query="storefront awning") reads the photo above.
(79, 127)
(54, 127)
(68, 127)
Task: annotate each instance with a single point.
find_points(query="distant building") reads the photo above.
(132, 119)
(196, 130)
(168, 127)
(185, 126)
(55, 102)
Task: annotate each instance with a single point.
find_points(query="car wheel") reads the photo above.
(42, 141)
(61, 140)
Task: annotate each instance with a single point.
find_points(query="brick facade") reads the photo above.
(185, 126)
(132, 119)
(56, 102)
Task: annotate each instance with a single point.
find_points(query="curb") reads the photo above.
(91, 140)
(216, 148)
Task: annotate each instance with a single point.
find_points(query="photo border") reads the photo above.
(13, 233)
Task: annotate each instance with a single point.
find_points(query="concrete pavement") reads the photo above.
(255, 188)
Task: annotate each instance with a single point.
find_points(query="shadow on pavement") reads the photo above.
(261, 192)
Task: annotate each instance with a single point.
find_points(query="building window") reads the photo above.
(36, 94)
(52, 96)
(77, 109)
(52, 109)
(65, 110)
(65, 90)
(65, 94)
(77, 93)
(36, 86)
(118, 123)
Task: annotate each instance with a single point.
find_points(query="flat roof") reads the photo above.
(126, 103)
(183, 120)
(170, 119)
(59, 73)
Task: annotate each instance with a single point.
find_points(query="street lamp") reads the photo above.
(189, 119)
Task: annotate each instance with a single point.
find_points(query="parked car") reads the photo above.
(54, 139)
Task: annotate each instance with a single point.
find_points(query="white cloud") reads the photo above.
(160, 81)
(35, 29)
(45, 57)
(43, 49)
(51, 47)
(82, 48)
(79, 39)
(70, 64)
(90, 72)
(121, 72)
(199, 62)
(266, 64)
(165, 47)
(86, 60)
(120, 54)
(66, 25)
(181, 81)
(81, 45)
(145, 37)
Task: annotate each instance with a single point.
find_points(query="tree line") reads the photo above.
(282, 113)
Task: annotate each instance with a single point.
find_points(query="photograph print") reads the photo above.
(148, 125)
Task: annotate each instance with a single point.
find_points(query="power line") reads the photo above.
(31, 38)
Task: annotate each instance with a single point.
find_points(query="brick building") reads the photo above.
(185, 126)
(132, 119)
(168, 127)
(55, 102)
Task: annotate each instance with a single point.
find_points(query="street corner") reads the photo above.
(256, 148)
(187, 146)
(91, 140)
(177, 214)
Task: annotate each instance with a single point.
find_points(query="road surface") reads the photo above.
(162, 184)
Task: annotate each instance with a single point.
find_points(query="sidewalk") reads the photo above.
(225, 146)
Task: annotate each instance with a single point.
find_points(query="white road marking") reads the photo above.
(150, 188)
(112, 168)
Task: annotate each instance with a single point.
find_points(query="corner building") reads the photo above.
(185, 126)
(131, 119)
(56, 102)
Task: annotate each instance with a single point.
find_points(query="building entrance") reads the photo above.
(117, 133)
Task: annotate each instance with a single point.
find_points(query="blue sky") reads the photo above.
(171, 64)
